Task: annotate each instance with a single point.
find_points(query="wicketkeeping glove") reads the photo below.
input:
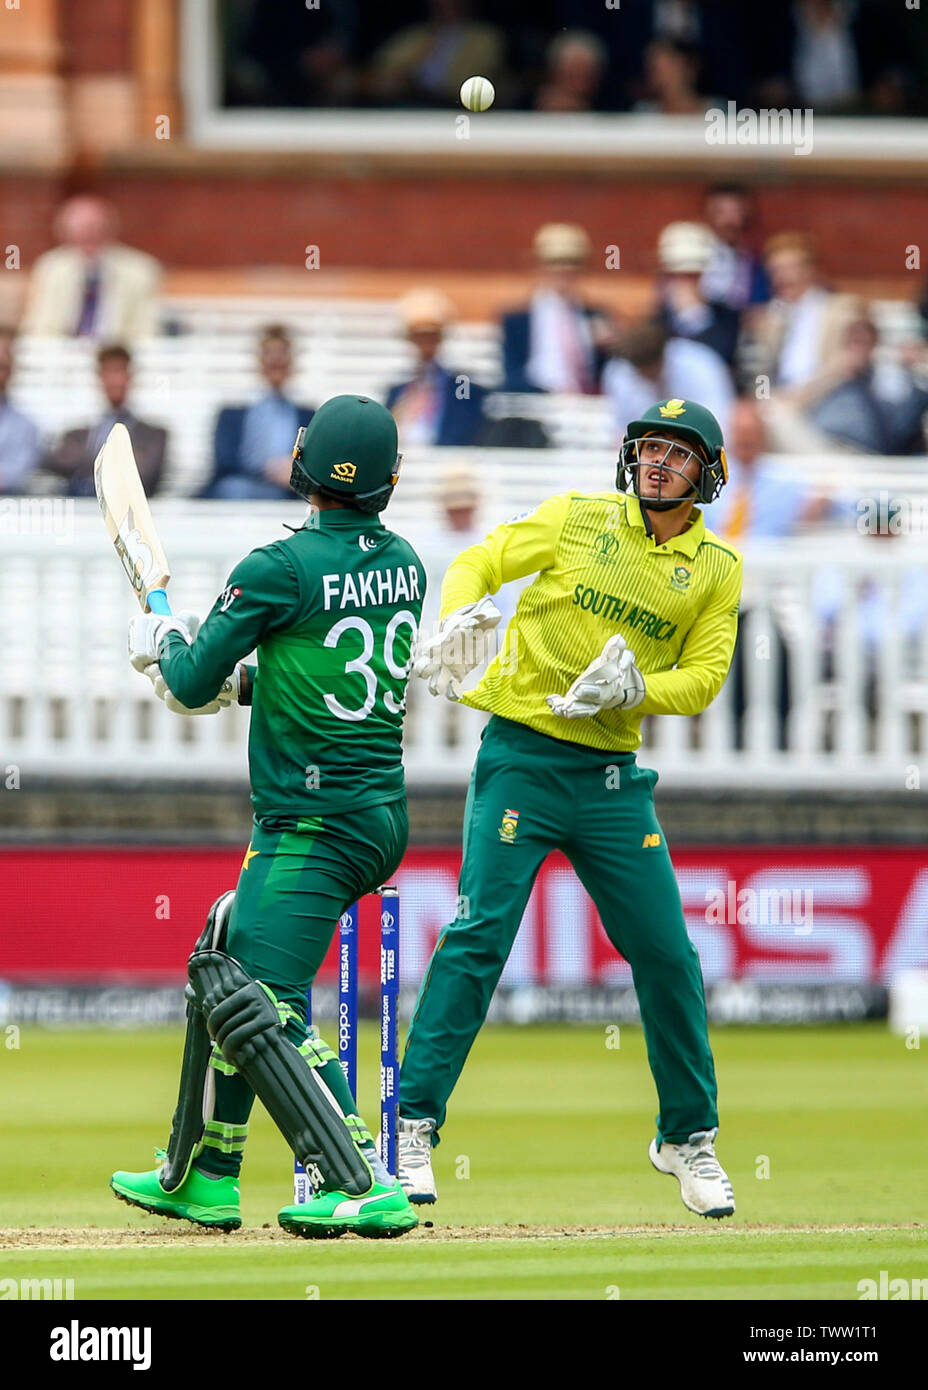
(612, 681)
(445, 659)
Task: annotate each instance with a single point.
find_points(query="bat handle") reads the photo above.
(158, 602)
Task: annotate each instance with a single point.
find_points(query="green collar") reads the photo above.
(342, 519)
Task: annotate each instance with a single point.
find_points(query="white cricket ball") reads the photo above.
(478, 94)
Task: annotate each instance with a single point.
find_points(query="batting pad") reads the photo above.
(197, 1091)
(242, 1016)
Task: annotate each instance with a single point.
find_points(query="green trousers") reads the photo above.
(531, 794)
(293, 887)
(295, 884)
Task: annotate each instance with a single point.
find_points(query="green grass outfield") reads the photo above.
(545, 1186)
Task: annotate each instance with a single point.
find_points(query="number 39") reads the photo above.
(360, 664)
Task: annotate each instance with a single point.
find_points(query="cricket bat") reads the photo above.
(128, 519)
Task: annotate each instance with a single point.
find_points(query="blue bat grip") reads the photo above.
(158, 602)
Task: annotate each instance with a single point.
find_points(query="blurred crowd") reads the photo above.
(671, 56)
(752, 330)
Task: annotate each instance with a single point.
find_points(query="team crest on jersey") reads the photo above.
(228, 597)
(508, 827)
(605, 548)
(680, 579)
(344, 472)
(673, 408)
(368, 542)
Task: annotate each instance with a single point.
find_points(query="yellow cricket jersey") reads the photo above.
(600, 572)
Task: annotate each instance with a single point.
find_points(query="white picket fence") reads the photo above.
(340, 346)
(71, 707)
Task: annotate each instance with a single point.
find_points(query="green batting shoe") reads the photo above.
(211, 1202)
(384, 1211)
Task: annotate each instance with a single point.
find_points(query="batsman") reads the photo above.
(333, 612)
(635, 594)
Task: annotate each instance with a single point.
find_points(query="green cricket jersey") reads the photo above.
(333, 611)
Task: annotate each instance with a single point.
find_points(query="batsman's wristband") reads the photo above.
(246, 683)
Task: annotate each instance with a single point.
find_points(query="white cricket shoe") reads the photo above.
(414, 1160)
(704, 1184)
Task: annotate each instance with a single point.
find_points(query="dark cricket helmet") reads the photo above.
(680, 419)
(348, 452)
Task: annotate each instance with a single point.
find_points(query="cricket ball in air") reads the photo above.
(478, 94)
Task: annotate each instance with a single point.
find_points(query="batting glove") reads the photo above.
(445, 659)
(147, 629)
(228, 693)
(612, 681)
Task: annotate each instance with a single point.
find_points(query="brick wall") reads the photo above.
(214, 219)
(96, 36)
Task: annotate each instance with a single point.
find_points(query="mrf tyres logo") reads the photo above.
(77, 1343)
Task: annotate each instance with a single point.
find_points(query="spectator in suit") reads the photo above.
(759, 504)
(576, 64)
(73, 457)
(461, 521)
(424, 64)
(19, 437)
(457, 526)
(800, 330)
(838, 57)
(735, 274)
(650, 365)
(435, 406)
(253, 444)
(795, 339)
(865, 404)
(91, 286)
(672, 68)
(559, 342)
(684, 252)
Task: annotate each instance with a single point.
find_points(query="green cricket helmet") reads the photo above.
(348, 452)
(680, 419)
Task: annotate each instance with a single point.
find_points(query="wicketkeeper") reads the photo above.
(638, 596)
(333, 611)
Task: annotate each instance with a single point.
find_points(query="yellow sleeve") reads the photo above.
(704, 659)
(525, 545)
